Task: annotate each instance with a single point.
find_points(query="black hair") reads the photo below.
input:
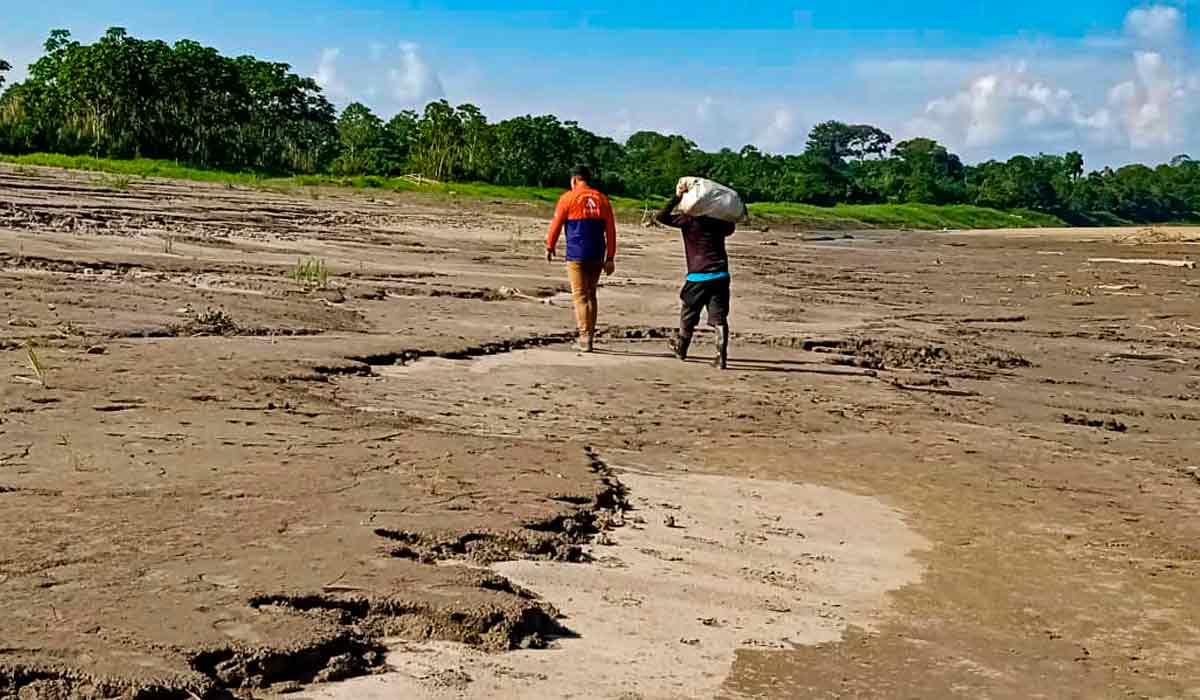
(582, 172)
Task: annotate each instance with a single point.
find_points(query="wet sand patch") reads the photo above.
(704, 566)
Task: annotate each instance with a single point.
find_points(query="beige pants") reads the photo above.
(584, 278)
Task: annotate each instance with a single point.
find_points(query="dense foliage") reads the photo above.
(125, 97)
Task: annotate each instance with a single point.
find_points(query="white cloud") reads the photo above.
(1155, 24)
(327, 74)
(780, 132)
(624, 127)
(716, 123)
(412, 82)
(1121, 96)
(997, 105)
(388, 80)
(1140, 108)
(1152, 106)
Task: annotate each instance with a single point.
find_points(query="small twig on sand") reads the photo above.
(1189, 264)
(339, 578)
(341, 589)
(1147, 357)
(514, 293)
(996, 319)
(24, 453)
(870, 373)
(384, 438)
(935, 390)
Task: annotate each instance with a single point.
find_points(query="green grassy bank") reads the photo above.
(843, 216)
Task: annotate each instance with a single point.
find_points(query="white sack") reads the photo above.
(712, 199)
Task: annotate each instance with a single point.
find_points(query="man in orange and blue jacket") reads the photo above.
(587, 216)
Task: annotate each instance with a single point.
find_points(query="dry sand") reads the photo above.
(705, 565)
(221, 483)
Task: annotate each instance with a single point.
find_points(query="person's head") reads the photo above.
(580, 175)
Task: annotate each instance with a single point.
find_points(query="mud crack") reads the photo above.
(516, 619)
(336, 658)
(1112, 425)
(32, 683)
(873, 353)
(558, 538)
(362, 364)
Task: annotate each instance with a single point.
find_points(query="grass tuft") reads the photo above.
(311, 273)
(117, 182)
(35, 363)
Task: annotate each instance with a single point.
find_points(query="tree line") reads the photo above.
(124, 97)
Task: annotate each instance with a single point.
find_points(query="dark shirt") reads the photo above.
(703, 239)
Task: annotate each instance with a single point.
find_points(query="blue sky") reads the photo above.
(1115, 79)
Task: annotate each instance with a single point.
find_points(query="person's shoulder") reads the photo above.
(599, 195)
(714, 224)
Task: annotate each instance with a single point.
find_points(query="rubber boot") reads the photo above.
(722, 357)
(584, 344)
(680, 344)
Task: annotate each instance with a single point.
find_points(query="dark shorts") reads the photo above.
(698, 296)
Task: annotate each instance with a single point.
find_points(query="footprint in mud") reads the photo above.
(702, 592)
(239, 630)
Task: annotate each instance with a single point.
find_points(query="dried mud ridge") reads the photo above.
(164, 266)
(363, 364)
(1112, 425)
(125, 268)
(356, 620)
(405, 284)
(210, 323)
(213, 222)
(559, 538)
(873, 353)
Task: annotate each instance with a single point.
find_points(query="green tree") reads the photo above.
(361, 140)
(930, 173)
(532, 151)
(811, 179)
(399, 139)
(655, 162)
(1073, 163)
(122, 96)
(604, 155)
(437, 149)
(834, 142)
(478, 146)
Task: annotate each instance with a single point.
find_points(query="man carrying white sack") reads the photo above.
(707, 285)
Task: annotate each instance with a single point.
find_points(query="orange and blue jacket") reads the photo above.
(587, 216)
